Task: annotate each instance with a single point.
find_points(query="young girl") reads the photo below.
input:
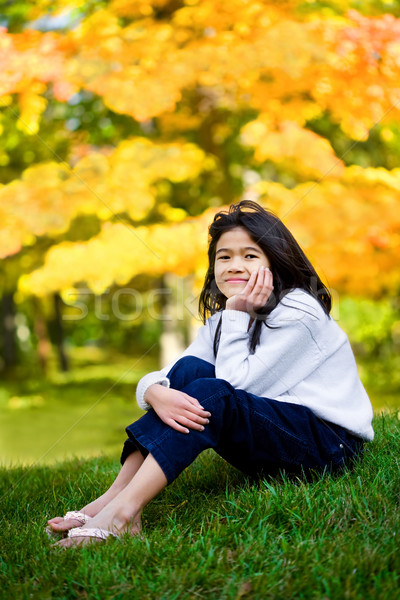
(270, 383)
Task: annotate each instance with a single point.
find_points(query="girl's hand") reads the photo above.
(256, 293)
(177, 409)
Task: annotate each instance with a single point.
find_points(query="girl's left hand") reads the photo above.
(177, 409)
(256, 293)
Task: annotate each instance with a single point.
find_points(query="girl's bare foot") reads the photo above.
(127, 472)
(59, 524)
(122, 514)
(111, 519)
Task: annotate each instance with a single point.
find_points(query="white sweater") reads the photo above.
(304, 359)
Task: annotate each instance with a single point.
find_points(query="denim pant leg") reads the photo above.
(184, 371)
(256, 435)
(189, 369)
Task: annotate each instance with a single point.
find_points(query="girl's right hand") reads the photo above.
(177, 409)
(255, 294)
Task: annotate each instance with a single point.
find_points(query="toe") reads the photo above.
(65, 524)
(55, 520)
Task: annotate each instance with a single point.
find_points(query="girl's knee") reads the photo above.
(195, 364)
(209, 390)
(188, 369)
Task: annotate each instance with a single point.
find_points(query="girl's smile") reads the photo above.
(236, 280)
(236, 257)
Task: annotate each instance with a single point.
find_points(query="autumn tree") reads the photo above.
(153, 112)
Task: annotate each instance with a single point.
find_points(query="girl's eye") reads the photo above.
(222, 257)
(251, 256)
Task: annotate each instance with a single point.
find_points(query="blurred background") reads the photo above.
(125, 125)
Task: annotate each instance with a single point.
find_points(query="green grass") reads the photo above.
(213, 534)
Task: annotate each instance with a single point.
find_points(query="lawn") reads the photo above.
(79, 413)
(213, 534)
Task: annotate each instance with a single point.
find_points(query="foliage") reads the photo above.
(137, 119)
(349, 227)
(374, 331)
(124, 252)
(100, 185)
(373, 327)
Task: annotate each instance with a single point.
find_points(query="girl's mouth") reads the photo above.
(236, 280)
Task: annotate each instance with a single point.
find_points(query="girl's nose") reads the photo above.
(236, 265)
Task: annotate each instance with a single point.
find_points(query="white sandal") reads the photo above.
(91, 532)
(83, 518)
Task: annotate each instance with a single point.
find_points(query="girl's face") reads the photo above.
(236, 257)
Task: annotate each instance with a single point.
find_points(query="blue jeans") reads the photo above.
(257, 435)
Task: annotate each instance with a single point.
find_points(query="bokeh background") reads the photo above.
(125, 125)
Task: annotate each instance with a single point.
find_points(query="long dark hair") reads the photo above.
(289, 265)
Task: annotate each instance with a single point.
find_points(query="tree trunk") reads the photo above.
(44, 345)
(171, 342)
(59, 333)
(8, 327)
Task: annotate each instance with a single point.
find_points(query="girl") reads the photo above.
(270, 382)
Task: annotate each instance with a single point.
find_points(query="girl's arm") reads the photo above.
(287, 353)
(175, 408)
(201, 347)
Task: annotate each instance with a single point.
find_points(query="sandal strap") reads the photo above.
(78, 516)
(92, 532)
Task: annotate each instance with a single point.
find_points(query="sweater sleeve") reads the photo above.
(201, 347)
(286, 355)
